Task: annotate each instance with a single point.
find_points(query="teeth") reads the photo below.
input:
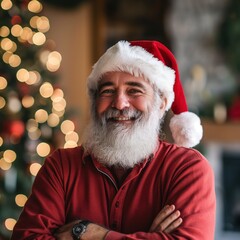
(121, 118)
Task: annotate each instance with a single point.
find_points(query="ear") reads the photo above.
(163, 103)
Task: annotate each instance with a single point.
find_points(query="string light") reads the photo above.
(10, 223)
(58, 93)
(14, 60)
(5, 165)
(14, 105)
(31, 125)
(46, 90)
(59, 104)
(39, 38)
(41, 115)
(20, 200)
(6, 56)
(53, 120)
(34, 168)
(22, 75)
(42, 24)
(72, 136)
(30, 82)
(3, 83)
(34, 78)
(34, 6)
(59, 113)
(2, 102)
(16, 30)
(4, 31)
(67, 126)
(9, 156)
(6, 4)
(26, 34)
(14, 47)
(6, 44)
(53, 61)
(27, 101)
(43, 149)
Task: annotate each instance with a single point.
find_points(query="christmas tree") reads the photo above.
(32, 106)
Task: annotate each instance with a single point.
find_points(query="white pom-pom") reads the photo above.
(186, 129)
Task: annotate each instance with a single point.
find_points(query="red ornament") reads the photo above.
(13, 129)
(16, 20)
(234, 110)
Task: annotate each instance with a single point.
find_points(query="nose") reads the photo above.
(120, 101)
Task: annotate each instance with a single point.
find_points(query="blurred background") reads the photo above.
(47, 49)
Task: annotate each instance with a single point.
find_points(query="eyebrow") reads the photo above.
(130, 83)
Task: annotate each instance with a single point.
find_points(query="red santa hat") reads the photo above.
(156, 63)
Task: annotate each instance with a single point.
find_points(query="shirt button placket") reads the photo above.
(117, 204)
(116, 212)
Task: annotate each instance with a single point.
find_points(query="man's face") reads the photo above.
(126, 120)
(123, 92)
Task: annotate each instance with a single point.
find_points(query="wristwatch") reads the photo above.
(79, 229)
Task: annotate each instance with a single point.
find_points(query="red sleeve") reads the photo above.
(44, 210)
(189, 184)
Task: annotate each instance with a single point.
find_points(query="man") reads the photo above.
(124, 182)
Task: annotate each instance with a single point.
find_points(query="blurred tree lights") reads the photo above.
(32, 107)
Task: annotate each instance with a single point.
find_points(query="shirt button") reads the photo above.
(114, 226)
(117, 204)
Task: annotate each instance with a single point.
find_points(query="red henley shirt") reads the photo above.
(72, 185)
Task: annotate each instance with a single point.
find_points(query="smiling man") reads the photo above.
(124, 181)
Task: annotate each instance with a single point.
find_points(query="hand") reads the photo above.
(93, 232)
(65, 232)
(167, 220)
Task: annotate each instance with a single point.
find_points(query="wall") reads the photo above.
(71, 31)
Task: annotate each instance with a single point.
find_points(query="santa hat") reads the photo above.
(156, 63)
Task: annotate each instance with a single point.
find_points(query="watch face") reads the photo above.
(77, 229)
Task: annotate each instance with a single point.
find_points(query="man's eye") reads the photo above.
(106, 91)
(134, 91)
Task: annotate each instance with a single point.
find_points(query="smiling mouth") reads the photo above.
(121, 119)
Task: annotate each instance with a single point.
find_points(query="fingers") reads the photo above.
(173, 225)
(167, 220)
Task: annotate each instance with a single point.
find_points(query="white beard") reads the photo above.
(119, 145)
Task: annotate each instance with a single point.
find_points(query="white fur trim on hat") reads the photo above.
(138, 62)
(186, 129)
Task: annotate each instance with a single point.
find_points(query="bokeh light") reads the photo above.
(46, 90)
(20, 200)
(53, 120)
(6, 4)
(10, 223)
(67, 126)
(34, 168)
(2, 102)
(9, 156)
(3, 83)
(34, 6)
(27, 101)
(4, 31)
(41, 115)
(16, 30)
(39, 38)
(43, 149)
(5, 165)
